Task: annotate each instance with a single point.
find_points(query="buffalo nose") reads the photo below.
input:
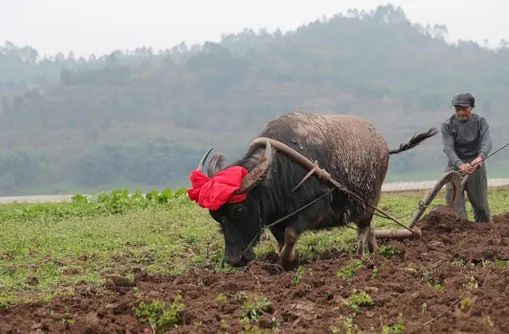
(236, 260)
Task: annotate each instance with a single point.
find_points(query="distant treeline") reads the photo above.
(147, 164)
(65, 121)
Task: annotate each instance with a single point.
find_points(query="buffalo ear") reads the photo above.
(215, 165)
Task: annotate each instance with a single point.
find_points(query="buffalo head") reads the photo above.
(241, 223)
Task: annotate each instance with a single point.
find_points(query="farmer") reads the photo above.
(467, 142)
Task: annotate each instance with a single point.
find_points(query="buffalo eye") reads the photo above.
(238, 212)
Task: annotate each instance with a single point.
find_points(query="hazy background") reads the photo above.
(77, 116)
(99, 27)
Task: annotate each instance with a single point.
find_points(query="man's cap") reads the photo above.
(463, 100)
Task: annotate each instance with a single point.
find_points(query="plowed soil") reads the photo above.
(454, 279)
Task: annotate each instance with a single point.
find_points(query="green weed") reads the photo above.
(334, 330)
(253, 329)
(488, 322)
(349, 325)
(254, 306)
(349, 270)
(67, 320)
(502, 263)
(465, 304)
(297, 278)
(120, 200)
(159, 316)
(397, 328)
(358, 299)
(388, 251)
(223, 325)
(222, 298)
(375, 272)
(471, 283)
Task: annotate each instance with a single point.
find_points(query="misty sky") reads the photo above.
(100, 26)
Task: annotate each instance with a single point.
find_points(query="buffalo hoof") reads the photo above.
(288, 264)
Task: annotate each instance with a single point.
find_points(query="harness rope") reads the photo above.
(286, 217)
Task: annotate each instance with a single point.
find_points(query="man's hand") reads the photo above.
(477, 163)
(467, 168)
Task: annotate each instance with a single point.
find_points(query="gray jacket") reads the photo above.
(465, 140)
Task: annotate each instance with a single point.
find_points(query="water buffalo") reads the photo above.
(349, 148)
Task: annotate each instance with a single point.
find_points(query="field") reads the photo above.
(142, 264)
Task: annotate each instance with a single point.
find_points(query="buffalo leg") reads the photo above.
(366, 239)
(279, 234)
(372, 244)
(288, 255)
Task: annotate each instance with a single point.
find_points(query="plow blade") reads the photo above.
(452, 177)
(413, 232)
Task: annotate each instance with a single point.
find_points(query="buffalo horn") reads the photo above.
(215, 165)
(258, 173)
(203, 159)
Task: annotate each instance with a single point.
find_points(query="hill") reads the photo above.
(142, 118)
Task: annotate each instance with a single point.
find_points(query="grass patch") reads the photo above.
(46, 249)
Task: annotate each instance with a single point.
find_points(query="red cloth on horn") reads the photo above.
(212, 193)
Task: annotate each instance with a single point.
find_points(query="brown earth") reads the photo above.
(454, 279)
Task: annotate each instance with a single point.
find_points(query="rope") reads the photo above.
(301, 209)
(464, 176)
(381, 213)
(329, 191)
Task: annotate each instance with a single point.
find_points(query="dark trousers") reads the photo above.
(477, 191)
